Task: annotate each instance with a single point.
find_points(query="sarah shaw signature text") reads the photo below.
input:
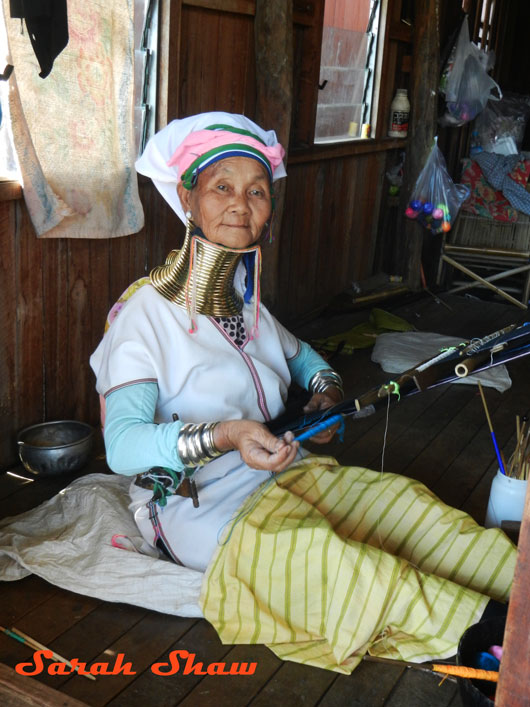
(186, 666)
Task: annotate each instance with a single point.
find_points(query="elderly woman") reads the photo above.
(319, 561)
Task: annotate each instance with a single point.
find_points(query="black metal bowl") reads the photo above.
(57, 447)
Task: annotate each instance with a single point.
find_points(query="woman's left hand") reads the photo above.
(322, 401)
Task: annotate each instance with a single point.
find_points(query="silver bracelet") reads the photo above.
(326, 378)
(195, 445)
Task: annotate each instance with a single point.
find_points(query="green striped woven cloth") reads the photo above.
(331, 562)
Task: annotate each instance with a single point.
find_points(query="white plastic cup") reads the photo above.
(506, 502)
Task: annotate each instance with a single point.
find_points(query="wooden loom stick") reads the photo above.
(425, 667)
(466, 367)
(460, 671)
(492, 433)
(516, 344)
(519, 461)
(32, 643)
(517, 449)
(521, 471)
(523, 446)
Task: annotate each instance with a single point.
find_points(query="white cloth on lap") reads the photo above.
(67, 541)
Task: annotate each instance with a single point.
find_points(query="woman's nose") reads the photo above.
(239, 202)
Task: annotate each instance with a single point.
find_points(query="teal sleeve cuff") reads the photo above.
(133, 442)
(305, 364)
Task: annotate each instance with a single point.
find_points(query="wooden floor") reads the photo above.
(440, 437)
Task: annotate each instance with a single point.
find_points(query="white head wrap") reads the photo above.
(161, 147)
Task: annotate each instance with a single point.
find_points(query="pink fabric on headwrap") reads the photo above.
(164, 144)
(202, 141)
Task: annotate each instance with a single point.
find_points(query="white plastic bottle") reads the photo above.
(399, 114)
(507, 499)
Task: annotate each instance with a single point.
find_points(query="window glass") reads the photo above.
(145, 70)
(8, 160)
(347, 64)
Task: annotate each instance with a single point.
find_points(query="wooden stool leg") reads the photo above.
(484, 282)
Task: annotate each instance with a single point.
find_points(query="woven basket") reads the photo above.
(481, 232)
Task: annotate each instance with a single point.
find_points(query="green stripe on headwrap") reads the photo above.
(188, 177)
(233, 129)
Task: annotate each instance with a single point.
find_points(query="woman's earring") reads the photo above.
(267, 232)
(189, 223)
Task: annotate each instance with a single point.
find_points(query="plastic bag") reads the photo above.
(395, 176)
(436, 199)
(466, 83)
(501, 126)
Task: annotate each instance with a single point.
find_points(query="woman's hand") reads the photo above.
(258, 447)
(322, 401)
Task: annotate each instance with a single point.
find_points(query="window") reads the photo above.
(347, 68)
(145, 70)
(8, 161)
(484, 24)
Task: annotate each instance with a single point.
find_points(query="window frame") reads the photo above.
(393, 59)
(371, 78)
(146, 99)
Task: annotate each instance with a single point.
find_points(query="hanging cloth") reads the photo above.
(73, 133)
(47, 25)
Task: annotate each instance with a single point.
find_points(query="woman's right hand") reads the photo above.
(258, 447)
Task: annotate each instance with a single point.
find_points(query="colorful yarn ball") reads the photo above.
(486, 661)
(410, 213)
(446, 226)
(496, 651)
(437, 213)
(443, 207)
(415, 205)
(427, 207)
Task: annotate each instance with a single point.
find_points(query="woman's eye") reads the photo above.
(222, 187)
(256, 192)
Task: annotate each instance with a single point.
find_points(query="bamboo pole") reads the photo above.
(484, 282)
(498, 452)
(36, 646)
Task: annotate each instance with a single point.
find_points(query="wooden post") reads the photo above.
(422, 129)
(273, 32)
(512, 690)
(168, 75)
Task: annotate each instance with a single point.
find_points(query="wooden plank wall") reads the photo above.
(329, 224)
(55, 298)
(217, 67)
(347, 15)
(329, 229)
(56, 293)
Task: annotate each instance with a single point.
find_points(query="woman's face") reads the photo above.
(231, 201)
